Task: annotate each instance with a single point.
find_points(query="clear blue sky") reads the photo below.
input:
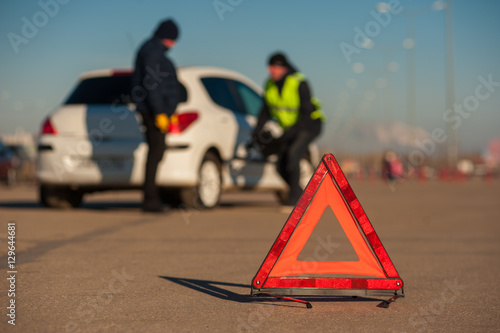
(86, 35)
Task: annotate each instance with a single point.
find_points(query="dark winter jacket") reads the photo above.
(155, 88)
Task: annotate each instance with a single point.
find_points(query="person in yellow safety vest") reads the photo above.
(288, 100)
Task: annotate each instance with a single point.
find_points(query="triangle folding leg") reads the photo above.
(373, 274)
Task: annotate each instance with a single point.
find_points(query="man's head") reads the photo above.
(278, 66)
(168, 32)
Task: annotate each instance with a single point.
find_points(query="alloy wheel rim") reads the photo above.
(210, 186)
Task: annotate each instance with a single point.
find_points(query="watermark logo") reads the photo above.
(221, 7)
(255, 319)
(449, 293)
(31, 26)
(382, 17)
(455, 117)
(88, 309)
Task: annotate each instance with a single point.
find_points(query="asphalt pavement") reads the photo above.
(108, 267)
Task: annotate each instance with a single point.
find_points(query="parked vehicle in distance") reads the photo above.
(23, 165)
(95, 141)
(6, 165)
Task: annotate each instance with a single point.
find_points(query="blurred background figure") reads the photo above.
(392, 168)
(16, 164)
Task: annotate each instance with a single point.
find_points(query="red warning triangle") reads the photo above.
(282, 273)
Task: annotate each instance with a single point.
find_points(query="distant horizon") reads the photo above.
(438, 155)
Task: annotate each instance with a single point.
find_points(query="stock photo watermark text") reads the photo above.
(12, 272)
(31, 25)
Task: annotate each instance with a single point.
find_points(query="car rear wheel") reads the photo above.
(207, 193)
(60, 197)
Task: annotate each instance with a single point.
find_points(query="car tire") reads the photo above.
(60, 197)
(207, 192)
(306, 173)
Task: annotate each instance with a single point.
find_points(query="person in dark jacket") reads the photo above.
(288, 100)
(155, 91)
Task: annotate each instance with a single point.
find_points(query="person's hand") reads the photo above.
(162, 122)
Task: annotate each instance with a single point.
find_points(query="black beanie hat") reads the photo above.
(278, 59)
(167, 30)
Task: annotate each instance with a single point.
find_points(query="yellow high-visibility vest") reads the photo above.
(284, 108)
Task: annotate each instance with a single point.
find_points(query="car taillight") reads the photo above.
(179, 122)
(122, 72)
(47, 127)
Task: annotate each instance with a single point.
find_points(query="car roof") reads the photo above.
(185, 69)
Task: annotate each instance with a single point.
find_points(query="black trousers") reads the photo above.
(288, 165)
(156, 142)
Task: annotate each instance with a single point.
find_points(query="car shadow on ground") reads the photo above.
(20, 204)
(220, 290)
(84, 206)
(129, 205)
(230, 204)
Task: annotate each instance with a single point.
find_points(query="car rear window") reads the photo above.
(101, 90)
(108, 90)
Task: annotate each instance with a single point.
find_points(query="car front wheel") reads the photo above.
(209, 188)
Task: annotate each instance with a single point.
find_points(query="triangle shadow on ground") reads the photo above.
(217, 289)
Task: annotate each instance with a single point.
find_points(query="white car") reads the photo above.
(95, 141)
